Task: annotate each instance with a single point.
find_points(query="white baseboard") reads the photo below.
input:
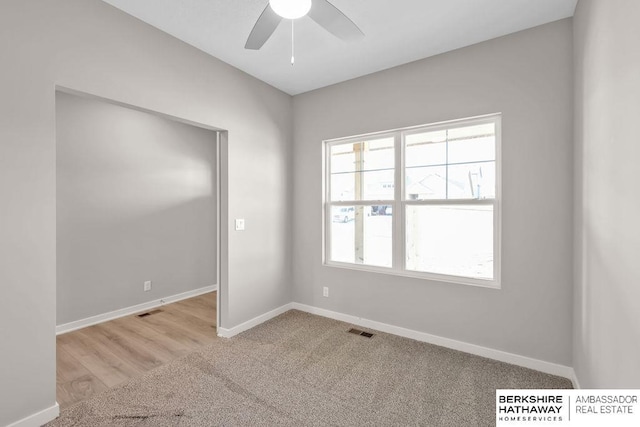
(228, 333)
(94, 320)
(502, 356)
(574, 379)
(39, 418)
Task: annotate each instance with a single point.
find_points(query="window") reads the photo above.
(421, 201)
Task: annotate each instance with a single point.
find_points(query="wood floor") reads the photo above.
(93, 359)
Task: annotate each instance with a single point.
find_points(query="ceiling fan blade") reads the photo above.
(334, 21)
(265, 26)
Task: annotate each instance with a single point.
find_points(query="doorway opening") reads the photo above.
(138, 233)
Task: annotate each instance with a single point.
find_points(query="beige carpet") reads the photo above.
(304, 370)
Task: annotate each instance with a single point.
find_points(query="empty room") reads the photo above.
(312, 212)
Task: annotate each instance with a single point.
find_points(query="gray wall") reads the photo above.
(528, 77)
(92, 47)
(607, 249)
(136, 201)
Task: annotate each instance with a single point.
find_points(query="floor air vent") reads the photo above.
(359, 332)
(149, 313)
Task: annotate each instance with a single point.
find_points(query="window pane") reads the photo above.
(472, 150)
(451, 240)
(374, 185)
(378, 154)
(456, 163)
(363, 170)
(378, 185)
(342, 161)
(426, 183)
(343, 187)
(361, 235)
(472, 181)
(426, 149)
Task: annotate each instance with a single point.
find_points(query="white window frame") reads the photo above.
(400, 203)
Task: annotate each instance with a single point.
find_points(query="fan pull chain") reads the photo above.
(293, 59)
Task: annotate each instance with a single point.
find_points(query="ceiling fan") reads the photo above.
(324, 13)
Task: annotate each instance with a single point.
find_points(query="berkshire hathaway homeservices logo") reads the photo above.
(578, 408)
(530, 407)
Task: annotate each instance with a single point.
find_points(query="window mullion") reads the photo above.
(446, 170)
(327, 203)
(398, 239)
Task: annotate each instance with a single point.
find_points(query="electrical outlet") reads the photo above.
(147, 286)
(325, 292)
(240, 224)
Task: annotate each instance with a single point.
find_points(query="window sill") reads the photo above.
(458, 280)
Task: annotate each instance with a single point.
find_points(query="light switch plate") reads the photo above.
(240, 224)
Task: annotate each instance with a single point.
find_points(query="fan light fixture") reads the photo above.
(290, 9)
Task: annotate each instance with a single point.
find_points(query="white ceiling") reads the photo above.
(396, 32)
